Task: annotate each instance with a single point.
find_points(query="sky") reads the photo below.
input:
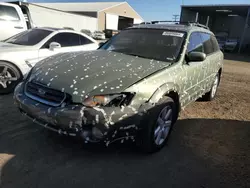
(157, 9)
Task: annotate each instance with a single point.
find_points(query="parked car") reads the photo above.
(99, 35)
(221, 38)
(69, 28)
(19, 53)
(221, 41)
(132, 88)
(87, 32)
(230, 44)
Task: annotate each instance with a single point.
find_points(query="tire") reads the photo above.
(209, 96)
(148, 138)
(10, 76)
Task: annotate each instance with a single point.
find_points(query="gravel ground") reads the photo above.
(209, 147)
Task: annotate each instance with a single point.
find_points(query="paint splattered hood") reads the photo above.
(93, 73)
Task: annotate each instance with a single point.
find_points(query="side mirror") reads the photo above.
(196, 56)
(54, 45)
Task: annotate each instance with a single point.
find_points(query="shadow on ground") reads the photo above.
(237, 57)
(200, 153)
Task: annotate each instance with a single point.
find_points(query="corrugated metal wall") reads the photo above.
(44, 17)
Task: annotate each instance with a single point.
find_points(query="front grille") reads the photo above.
(45, 95)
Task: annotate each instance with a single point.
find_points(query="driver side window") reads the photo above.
(65, 40)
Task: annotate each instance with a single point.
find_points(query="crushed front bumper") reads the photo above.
(106, 124)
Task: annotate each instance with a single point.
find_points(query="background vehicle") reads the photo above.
(20, 16)
(152, 72)
(19, 53)
(87, 32)
(230, 44)
(99, 35)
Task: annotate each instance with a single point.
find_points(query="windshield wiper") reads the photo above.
(135, 55)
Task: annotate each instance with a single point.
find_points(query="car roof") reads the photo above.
(175, 27)
(54, 29)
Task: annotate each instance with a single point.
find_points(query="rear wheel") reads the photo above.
(159, 124)
(211, 94)
(10, 76)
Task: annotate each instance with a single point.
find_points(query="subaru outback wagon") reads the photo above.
(132, 88)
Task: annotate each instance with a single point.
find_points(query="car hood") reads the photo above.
(7, 47)
(94, 72)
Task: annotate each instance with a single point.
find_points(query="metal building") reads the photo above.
(110, 15)
(233, 20)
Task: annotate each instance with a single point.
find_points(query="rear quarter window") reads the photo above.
(8, 13)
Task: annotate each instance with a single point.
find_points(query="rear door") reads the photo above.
(211, 64)
(12, 20)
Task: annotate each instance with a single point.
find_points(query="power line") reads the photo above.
(176, 17)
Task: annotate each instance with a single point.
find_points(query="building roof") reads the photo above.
(239, 9)
(81, 6)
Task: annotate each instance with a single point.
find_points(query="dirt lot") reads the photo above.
(209, 147)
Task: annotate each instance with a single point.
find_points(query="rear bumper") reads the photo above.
(76, 120)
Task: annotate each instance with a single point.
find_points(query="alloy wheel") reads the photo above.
(7, 76)
(163, 125)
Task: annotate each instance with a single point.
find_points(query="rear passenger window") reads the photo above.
(84, 40)
(195, 43)
(8, 13)
(207, 43)
(215, 44)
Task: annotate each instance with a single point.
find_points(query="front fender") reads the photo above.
(158, 94)
(163, 90)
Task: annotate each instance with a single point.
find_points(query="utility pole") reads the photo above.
(176, 17)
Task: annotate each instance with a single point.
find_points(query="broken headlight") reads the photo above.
(108, 100)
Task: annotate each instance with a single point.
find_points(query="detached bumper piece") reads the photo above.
(68, 132)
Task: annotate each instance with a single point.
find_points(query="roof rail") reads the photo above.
(197, 24)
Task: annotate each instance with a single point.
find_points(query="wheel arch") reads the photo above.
(15, 65)
(220, 72)
(170, 90)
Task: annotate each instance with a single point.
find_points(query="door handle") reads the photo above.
(18, 27)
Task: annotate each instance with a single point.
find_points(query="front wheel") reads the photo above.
(158, 125)
(10, 76)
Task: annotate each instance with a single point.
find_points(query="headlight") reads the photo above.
(108, 100)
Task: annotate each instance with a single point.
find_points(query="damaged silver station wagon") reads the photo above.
(132, 88)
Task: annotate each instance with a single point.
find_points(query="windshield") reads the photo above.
(29, 38)
(147, 43)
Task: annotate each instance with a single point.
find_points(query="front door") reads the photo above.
(193, 72)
